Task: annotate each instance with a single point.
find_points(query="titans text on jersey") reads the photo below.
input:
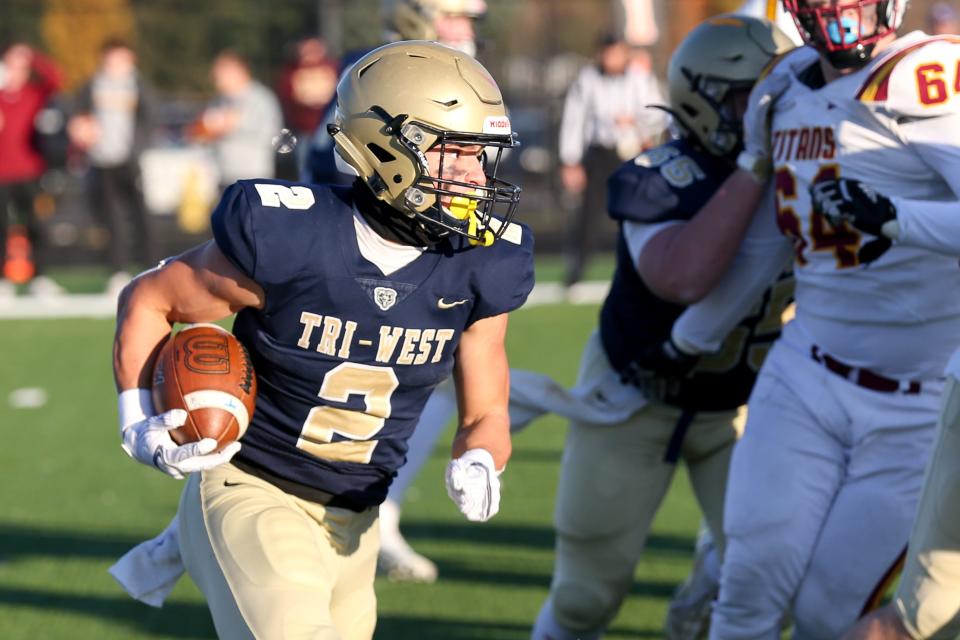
(345, 356)
(668, 183)
(891, 125)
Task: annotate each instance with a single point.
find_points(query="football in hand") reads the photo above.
(204, 370)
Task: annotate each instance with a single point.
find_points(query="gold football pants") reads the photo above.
(613, 479)
(928, 598)
(276, 567)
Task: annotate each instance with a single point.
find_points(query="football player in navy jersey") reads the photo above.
(615, 476)
(354, 303)
(449, 22)
(453, 23)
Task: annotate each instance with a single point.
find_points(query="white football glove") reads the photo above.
(146, 438)
(756, 156)
(474, 485)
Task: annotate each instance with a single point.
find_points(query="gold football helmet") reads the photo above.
(414, 19)
(721, 57)
(404, 98)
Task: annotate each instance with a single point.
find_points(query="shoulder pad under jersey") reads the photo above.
(266, 227)
(793, 59)
(669, 182)
(791, 62)
(920, 80)
(504, 276)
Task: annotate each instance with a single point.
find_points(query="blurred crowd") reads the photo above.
(107, 125)
(101, 136)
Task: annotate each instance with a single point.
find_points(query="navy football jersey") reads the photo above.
(345, 356)
(672, 182)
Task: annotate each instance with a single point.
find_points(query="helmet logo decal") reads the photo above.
(384, 297)
(497, 125)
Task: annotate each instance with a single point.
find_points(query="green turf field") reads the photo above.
(550, 268)
(73, 502)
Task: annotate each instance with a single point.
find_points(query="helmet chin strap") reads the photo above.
(850, 58)
(463, 207)
(391, 224)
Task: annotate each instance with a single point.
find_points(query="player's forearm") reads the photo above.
(141, 328)
(684, 262)
(929, 225)
(704, 326)
(490, 432)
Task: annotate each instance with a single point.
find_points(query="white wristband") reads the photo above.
(891, 229)
(683, 346)
(133, 406)
(757, 166)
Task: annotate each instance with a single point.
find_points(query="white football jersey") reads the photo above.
(895, 125)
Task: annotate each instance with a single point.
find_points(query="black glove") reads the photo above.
(664, 360)
(872, 250)
(854, 202)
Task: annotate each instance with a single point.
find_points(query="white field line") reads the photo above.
(103, 306)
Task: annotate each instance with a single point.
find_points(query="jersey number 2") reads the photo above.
(274, 195)
(376, 385)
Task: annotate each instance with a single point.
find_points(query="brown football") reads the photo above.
(205, 370)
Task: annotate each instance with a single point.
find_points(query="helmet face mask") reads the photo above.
(407, 100)
(846, 32)
(711, 73)
(723, 97)
(461, 207)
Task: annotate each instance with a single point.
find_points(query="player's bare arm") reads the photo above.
(683, 262)
(201, 285)
(481, 447)
(483, 387)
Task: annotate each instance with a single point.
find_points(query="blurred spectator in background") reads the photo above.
(606, 120)
(449, 22)
(27, 80)
(306, 87)
(241, 122)
(112, 125)
(943, 19)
